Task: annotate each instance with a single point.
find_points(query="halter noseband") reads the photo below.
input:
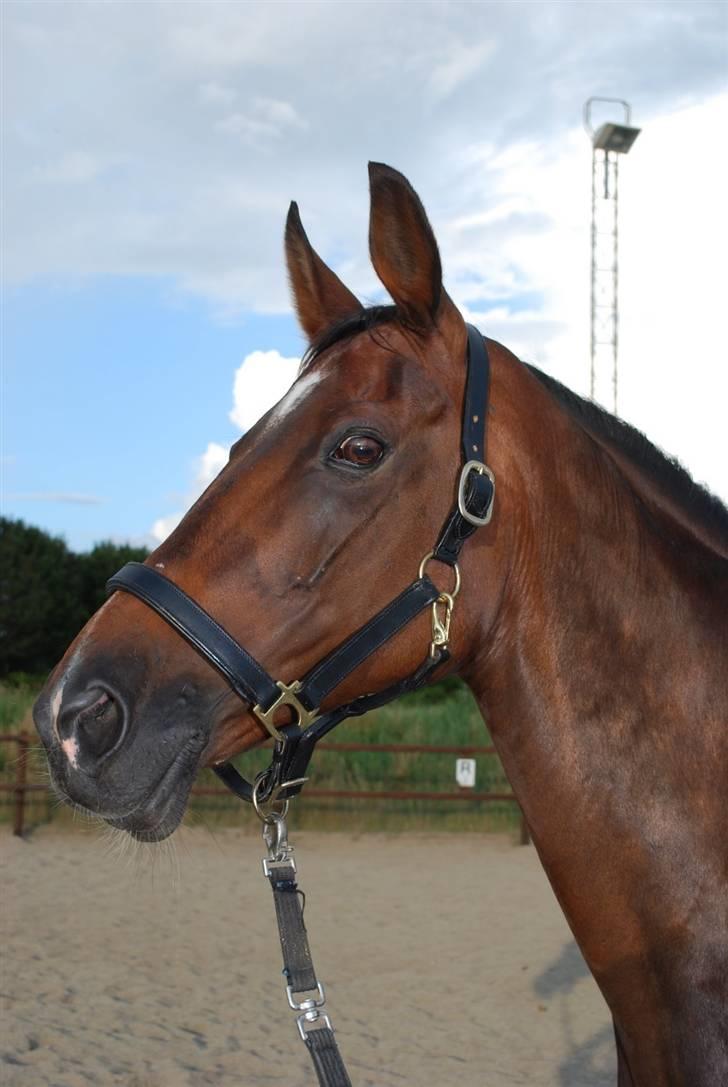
(295, 742)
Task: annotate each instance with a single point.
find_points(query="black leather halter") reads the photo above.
(295, 742)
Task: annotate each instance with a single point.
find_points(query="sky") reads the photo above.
(149, 154)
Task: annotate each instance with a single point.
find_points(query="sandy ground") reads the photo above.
(446, 961)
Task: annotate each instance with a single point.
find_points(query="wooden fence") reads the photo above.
(20, 787)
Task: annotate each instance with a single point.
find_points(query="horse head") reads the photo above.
(321, 516)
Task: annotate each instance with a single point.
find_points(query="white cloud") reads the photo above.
(278, 113)
(76, 168)
(673, 234)
(673, 376)
(260, 381)
(215, 94)
(212, 461)
(222, 113)
(164, 526)
(204, 470)
(266, 118)
(462, 62)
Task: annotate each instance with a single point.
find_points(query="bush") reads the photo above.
(47, 593)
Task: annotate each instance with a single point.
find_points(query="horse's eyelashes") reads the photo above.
(360, 450)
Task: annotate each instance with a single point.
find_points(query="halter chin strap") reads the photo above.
(267, 697)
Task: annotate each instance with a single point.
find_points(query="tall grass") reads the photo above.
(17, 694)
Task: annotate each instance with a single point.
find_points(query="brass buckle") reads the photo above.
(482, 470)
(287, 697)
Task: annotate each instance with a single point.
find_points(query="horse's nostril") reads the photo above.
(93, 721)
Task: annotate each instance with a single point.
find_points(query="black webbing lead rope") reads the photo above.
(313, 1023)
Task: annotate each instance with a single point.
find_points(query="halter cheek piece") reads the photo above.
(295, 742)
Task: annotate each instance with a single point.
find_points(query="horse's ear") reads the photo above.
(403, 248)
(319, 295)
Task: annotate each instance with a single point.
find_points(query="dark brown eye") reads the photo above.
(361, 450)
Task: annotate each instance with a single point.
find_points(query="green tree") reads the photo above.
(96, 567)
(39, 601)
(47, 593)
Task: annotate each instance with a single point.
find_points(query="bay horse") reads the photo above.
(591, 626)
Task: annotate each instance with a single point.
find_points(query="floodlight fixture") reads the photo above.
(611, 137)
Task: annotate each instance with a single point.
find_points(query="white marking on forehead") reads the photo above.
(300, 389)
(70, 750)
(159, 565)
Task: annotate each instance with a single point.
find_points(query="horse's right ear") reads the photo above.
(403, 247)
(319, 295)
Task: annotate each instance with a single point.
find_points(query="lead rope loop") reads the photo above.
(313, 1022)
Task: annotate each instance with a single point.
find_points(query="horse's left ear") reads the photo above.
(403, 249)
(319, 295)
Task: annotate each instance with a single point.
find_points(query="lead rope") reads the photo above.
(314, 1025)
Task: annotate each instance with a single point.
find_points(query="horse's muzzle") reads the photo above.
(117, 752)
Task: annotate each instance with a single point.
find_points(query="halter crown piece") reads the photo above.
(295, 742)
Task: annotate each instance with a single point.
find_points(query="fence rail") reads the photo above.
(20, 787)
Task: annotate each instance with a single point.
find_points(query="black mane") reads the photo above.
(664, 471)
(361, 321)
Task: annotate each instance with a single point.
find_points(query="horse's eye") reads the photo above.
(361, 450)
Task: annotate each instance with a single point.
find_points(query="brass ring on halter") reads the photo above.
(456, 568)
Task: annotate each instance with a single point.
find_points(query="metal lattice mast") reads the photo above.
(608, 142)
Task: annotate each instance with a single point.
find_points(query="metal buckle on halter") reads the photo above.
(287, 697)
(482, 470)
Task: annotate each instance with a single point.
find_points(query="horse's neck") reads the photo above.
(603, 683)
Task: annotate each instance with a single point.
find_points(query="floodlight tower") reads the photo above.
(609, 141)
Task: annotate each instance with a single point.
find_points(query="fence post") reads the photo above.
(21, 774)
(525, 832)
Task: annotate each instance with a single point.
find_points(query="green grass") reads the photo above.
(446, 714)
(18, 691)
(17, 694)
(443, 716)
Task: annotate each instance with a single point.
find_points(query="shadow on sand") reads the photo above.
(590, 1063)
